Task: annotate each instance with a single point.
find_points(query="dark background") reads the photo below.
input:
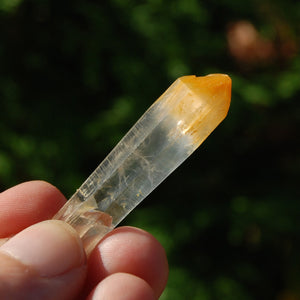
(75, 76)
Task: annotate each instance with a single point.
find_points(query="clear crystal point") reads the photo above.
(168, 132)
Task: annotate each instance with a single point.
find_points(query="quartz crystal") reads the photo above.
(168, 132)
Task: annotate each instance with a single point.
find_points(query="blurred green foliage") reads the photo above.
(74, 77)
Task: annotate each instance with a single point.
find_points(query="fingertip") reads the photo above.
(44, 261)
(50, 247)
(26, 204)
(122, 286)
(130, 250)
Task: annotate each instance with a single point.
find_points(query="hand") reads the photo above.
(45, 259)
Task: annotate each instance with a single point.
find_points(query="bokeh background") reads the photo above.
(75, 76)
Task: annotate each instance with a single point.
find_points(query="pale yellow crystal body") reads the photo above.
(169, 131)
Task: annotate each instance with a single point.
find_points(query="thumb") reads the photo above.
(44, 261)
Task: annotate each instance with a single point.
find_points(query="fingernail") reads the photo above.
(50, 247)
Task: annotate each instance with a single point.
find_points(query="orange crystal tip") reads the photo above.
(214, 89)
(205, 104)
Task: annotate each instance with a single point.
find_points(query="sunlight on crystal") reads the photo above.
(166, 135)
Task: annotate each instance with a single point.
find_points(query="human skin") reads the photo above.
(44, 259)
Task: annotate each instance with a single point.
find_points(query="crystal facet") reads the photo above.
(168, 132)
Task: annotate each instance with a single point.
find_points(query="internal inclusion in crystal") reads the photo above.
(152, 161)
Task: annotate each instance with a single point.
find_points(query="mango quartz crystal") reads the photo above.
(168, 132)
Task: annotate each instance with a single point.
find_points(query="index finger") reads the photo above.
(26, 204)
